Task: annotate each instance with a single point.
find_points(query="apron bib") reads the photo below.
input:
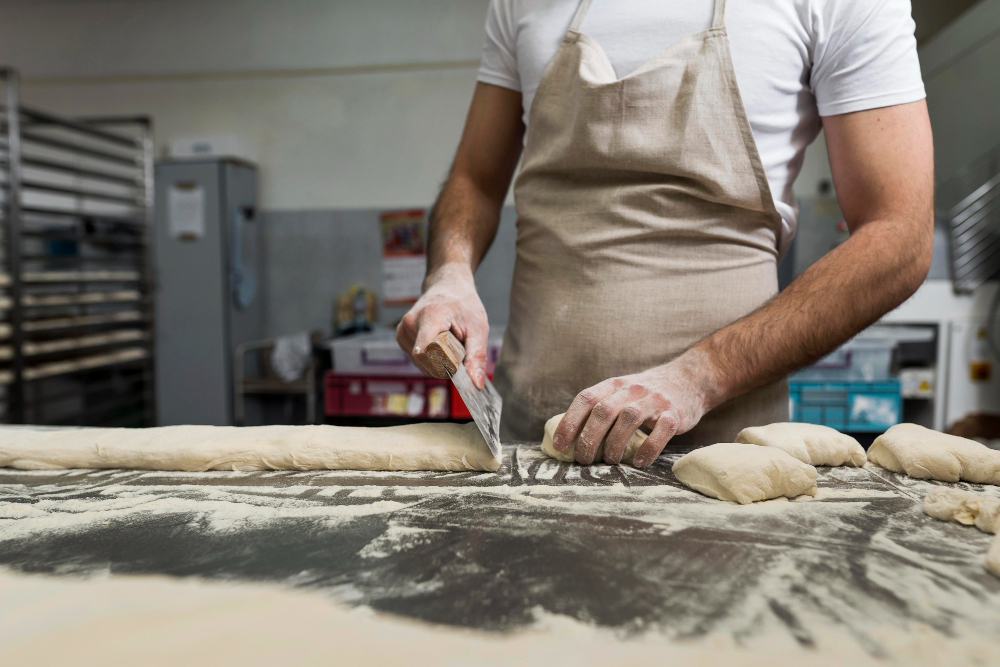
(645, 223)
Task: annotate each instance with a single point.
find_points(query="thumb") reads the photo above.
(430, 325)
(432, 322)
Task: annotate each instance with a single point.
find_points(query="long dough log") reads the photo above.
(194, 448)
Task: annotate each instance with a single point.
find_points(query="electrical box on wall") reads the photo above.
(213, 146)
(973, 380)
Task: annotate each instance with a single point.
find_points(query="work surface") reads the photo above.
(617, 547)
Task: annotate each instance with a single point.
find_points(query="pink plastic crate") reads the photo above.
(374, 396)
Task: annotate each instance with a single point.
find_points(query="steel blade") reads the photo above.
(484, 405)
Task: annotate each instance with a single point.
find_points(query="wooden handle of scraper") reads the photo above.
(445, 354)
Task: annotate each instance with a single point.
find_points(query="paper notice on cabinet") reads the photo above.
(186, 211)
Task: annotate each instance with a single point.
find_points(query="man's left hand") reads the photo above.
(670, 399)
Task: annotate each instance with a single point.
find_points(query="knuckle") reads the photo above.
(669, 423)
(590, 396)
(638, 389)
(631, 415)
(661, 403)
(602, 412)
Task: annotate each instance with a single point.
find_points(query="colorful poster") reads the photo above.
(404, 258)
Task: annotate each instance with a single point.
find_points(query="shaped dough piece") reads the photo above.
(925, 454)
(970, 509)
(550, 430)
(810, 443)
(194, 448)
(745, 473)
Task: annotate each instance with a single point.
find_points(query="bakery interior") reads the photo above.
(216, 214)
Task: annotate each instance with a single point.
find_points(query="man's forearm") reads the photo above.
(875, 270)
(462, 226)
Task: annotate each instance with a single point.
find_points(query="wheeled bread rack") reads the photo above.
(76, 299)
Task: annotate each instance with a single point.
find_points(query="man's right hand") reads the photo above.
(449, 303)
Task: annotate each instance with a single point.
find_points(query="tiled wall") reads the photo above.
(313, 256)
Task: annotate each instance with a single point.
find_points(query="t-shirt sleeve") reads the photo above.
(865, 55)
(499, 60)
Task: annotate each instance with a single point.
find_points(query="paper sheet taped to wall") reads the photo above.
(404, 261)
(186, 211)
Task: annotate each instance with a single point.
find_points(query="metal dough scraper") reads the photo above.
(446, 354)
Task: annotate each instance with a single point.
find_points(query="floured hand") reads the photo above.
(670, 399)
(449, 303)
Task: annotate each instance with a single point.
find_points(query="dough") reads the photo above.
(810, 443)
(411, 447)
(745, 473)
(971, 509)
(925, 454)
(158, 621)
(550, 429)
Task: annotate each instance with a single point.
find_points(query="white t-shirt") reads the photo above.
(795, 60)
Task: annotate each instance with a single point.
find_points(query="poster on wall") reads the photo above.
(404, 259)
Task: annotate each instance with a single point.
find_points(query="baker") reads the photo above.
(660, 142)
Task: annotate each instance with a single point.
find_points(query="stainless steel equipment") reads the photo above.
(209, 253)
(76, 330)
(446, 353)
(972, 200)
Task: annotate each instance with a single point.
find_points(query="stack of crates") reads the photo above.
(847, 406)
(851, 389)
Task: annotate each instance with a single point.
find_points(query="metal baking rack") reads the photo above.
(971, 199)
(76, 308)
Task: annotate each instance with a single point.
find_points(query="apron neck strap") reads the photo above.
(581, 13)
(719, 19)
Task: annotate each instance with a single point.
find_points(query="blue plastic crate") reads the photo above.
(847, 406)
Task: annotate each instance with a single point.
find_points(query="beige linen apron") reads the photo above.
(645, 223)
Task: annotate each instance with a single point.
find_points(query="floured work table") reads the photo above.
(627, 549)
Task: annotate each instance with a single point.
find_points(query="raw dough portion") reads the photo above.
(745, 473)
(157, 621)
(193, 448)
(970, 509)
(810, 443)
(550, 430)
(925, 454)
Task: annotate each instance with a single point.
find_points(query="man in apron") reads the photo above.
(645, 288)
